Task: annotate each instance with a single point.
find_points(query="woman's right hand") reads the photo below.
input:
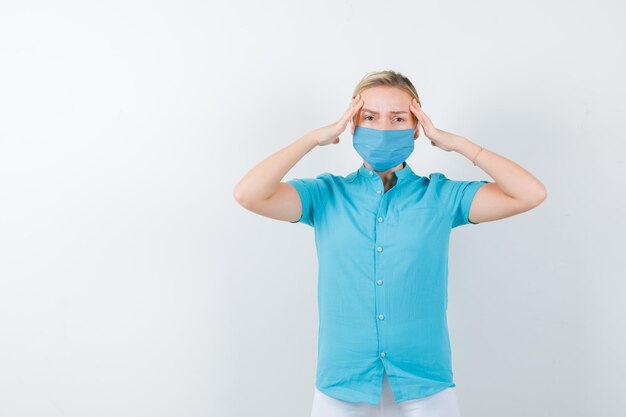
(330, 134)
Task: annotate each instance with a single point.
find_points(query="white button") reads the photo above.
(377, 191)
(379, 282)
(380, 220)
(382, 354)
(381, 317)
(371, 173)
(379, 249)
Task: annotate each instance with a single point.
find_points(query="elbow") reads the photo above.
(539, 197)
(244, 198)
(239, 196)
(543, 194)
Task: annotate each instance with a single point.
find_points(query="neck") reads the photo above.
(388, 177)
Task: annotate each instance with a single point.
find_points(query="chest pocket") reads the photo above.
(412, 215)
(418, 219)
(417, 228)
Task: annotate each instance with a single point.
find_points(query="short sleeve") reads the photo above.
(456, 196)
(312, 192)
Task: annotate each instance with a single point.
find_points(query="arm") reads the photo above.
(515, 191)
(261, 190)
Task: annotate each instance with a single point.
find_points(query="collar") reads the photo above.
(403, 174)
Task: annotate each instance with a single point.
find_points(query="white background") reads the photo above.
(133, 284)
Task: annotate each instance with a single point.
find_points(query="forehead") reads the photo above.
(385, 99)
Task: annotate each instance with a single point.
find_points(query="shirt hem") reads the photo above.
(417, 392)
(349, 395)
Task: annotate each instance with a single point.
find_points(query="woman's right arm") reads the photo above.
(261, 190)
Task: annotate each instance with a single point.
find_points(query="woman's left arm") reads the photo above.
(514, 191)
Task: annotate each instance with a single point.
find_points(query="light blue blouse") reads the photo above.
(383, 280)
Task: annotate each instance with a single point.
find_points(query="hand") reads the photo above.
(439, 138)
(330, 134)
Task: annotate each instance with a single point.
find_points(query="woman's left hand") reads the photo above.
(439, 138)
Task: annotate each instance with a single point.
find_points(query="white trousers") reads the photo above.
(441, 404)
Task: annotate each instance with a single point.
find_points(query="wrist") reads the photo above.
(466, 147)
(310, 140)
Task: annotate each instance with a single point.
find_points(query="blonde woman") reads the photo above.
(382, 236)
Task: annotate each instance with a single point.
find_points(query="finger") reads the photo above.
(417, 110)
(355, 101)
(415, 113)
(348, 111)
(351, 109)
(426, 119)
(355, 110)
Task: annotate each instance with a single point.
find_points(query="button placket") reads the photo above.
(379, 299)
(379, 182)
(381, 264)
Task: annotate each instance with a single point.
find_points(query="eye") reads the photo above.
(400, 118)
(366, 117)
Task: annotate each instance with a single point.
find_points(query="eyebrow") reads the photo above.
(375, 112)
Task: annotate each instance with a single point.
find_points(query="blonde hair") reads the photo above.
(386, 78)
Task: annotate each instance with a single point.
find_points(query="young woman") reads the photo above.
(382, 236)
